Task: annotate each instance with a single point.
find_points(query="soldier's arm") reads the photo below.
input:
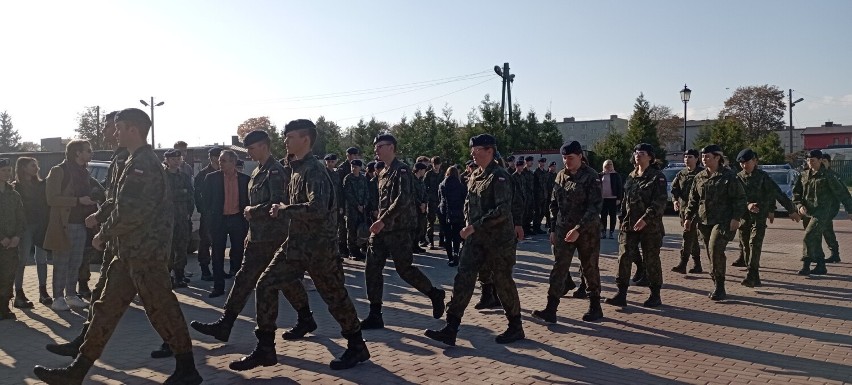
(676, 188)
(502, 203)
(655, 210)
(319, 191)
(841, 193)
(275, 185)
(553, 206)
(738, 198)
(517, 202)
(594, 197)
(104, 209)
(191, 193)
(775, 194)
(404, 197)
(139, 192)
(694, 200)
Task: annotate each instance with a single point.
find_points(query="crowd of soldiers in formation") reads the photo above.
(304, 216)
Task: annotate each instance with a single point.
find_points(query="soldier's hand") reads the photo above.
(86, 201)
(772, 217)
(273, 212)
(97, 243)
(467, 231)
(735, 224)
(795, 217)
(676, 205)
(377, 227)
(247, 213)
(5, 243)
(91, 221)
(640, 224)
(572, 235)
(519, 233)
(753, 207)
(13, 242)
(803, 211)
(687, 224)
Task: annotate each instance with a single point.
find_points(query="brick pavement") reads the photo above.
(793, 330)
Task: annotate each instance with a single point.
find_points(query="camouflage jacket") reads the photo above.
(551, 182)
(431, 181)
(821, 193)
(576, 201)
(356, 190)
(761, 189)
(266, 187)
(12, 217)
(337, 186)
(528, 185)
(312, 207)
(645, 198)
(116, 167)
(488, 206)
(141, 221)
(397, 197)
(183, 198)
(716, 198)
(682, 183)
(373, 194)
(540, 189)
(342, 171)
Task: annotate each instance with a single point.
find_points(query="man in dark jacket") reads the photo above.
(204, 228)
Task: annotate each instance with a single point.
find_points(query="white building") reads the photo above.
(590, 132)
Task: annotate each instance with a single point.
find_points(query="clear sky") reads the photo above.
(217, 63)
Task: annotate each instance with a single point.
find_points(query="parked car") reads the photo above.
(670, 172)
(784, 176)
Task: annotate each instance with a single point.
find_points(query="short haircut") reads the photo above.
(180, 145)
(436, 160)
(230, 155)
(422, 158)
(74, 147)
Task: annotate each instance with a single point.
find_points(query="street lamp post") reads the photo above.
(685, 93)
(792, 103)
(152, 105)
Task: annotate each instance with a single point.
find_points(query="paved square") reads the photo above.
(793, 330)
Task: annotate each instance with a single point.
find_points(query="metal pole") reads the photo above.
(503, 102)
(98, 125)
(684, 126)
(790, 94)
(508, 90)
(153, 143)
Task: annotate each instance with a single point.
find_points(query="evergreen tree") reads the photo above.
(548, 136)
(10, 141)
(642, 128)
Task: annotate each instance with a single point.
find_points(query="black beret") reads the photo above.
(420, 166)
(649, 149)
(530, 159)
(357, 163)
(815, 154)
(134, 115)
(371, 165)
(353, 151)
(746, 155)
(542, 160)
(384, 138)
(330, 157)
(380, 165)
(712, 149)
(511, 158)
(692, 152)
(519, 162)
(214, 151)
(299, 124)
(482, 140)
(173, 154)
(573, 147)
(255, 136)
(4, 162)
(552, 164)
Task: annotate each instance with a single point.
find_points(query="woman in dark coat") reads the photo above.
(31, 189)
(612, 188)
(451, 194)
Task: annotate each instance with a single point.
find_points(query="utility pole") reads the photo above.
(507, 91)
(152, 105)
(98, 130)
(792, 103)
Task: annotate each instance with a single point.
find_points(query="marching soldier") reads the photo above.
(528, 179)
(681, 185)
(184, 204)
(432, 180)
(356, 193)
(828, 235)
(421, 202)
(541, 194)
(337, 183)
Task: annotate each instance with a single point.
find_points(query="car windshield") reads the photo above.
(779, 177)
(670, 173)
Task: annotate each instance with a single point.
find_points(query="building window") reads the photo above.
(836, 141)
(847, 140)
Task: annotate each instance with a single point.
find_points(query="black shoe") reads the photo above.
(488, 298)
(216, 293)
(569, 285)
(453, 263)
(357, 255)
(580, 293)
(68, 349)
(164, 351)
(806, 269)
(220, 330)
(835, 258)
(437, 296)
(549, 313)
(603, 234)
(654, 299)
(639, 275)
(22, 302)
(515, 332)
(719, 294)
(43, 297)
(262, 355)
(448, 334)
(86, 294)
(356, 352)
(740, 262)
(70, 375)
(620, 298)
(185, 372)
(696, 269)
(206, 277)
(595, 312)
(304, 325)
(819, 269)
(610, 235)
(373, 321)
(681, 267)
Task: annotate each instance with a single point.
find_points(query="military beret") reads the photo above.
(692, 152)
(134, 115)
(353, 151)
(330, 157)
(380, 165)
(371, 165)
(214, 151)
(712, 149)
(357, 163)
(519, 162)
(384, 138)
(299, 124)
(530, 159)
(552, 164)
(255, 136)
(542, 160)
(814, 154)
(511, 158)
(4, 162)
(420, 166)
(173, 154)
(649, 149)
(746, 155)
(826, 157)
(482, 140)
(572, 148)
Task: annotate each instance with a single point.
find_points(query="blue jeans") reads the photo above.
(25, 247)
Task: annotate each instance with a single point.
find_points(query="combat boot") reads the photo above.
(437, 296)
(603, 234)
(549, 313)
(304, 325)
(740, 262)
(654, 299)
(374, 319)
(5, 312)
(620, 298)
(819, 269)
(356, 352)
(580, 293)
(448, 334)
(164, 351)
(84, 291)
(806, 268)
(180, 279)
(681, 267)
(835, 258)
(569, 285)
(21, 300)
(488, 299)
(357, 255)
(696, 267)
(71, 375)
(185, 372)
(43, 296)
(69, 349)
(749, 279)
(515, 332)
(220, 330)
(755, 278)
(640, 272)
(719, 294)
(262, 355)
(595, 312)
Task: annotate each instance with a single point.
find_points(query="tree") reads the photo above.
(328, 137)
(669, 125)
(10, 141)
(642, 128)
(29, 147)
(263, 123)
(759, 109)
(614, 147)
(90, 125)
(548, 136)
(769, 149)
(362, 134)
(727, 133)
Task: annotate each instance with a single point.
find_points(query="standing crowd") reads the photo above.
(304, 214)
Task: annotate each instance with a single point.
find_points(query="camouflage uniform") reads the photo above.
(762, 190)
(337, 176)
(714, 201)
(820, 193)
(541, 194)
(184, 204)
(419, 232)
(140, 224)
(356, 193)
(644, 198)
(432, 180)
(266, 234)
(312, 212)
(397, 211)
(528, 186)
(681, 185)
(829, 235)
(550, 182)
(12, 224)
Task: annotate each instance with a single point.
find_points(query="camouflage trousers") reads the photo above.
(815, 230)
(499, 260)
(629, 243)
(353, 219)
(529, 214)
(827, 234)
(258, 255)
(397, 246)
(752, 231)
(8, 267)
(431, 216)
(716, 238)
(99, 286)
(125, 279)
(180, 244)
(588, 247)
(690, 246)
(541, 210)
(285, 273)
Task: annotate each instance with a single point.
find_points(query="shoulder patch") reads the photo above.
(500, 178)
(402, 169)
(273, 172)
(137, 171)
